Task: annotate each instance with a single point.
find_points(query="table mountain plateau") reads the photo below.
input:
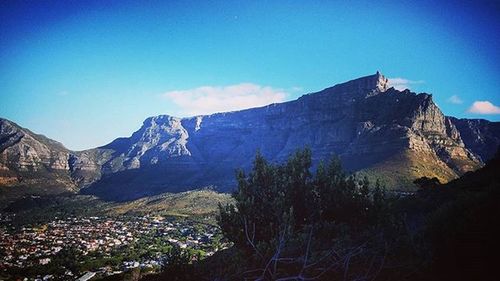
(377, 131)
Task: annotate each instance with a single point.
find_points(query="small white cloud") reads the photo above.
(402, 83)
(484, 107)
(211, 99)
(455, 100)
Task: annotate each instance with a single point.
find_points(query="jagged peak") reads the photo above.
(376, 81)
(159, 119)
(6, 122)
(382, 83)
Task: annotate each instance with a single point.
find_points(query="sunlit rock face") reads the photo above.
(377, 131)
(479, 135)
(30, 159)
(160, 138)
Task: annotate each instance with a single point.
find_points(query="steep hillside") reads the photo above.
(479, 135)
(194, 204)
(31, 163)
(376, 130)
(34, 164)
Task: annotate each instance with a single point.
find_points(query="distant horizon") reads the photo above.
(86, 72)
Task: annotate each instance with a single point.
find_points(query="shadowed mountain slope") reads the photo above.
(376, 130)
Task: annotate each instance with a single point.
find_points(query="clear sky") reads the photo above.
(84, 72)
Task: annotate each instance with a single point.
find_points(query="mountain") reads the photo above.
(479, 135)
(28, 159)
(34, 164)
(376, 130)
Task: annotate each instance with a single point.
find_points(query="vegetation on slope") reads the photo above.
(400, 170)
(37, 209)
(290, 224)
(190, 203)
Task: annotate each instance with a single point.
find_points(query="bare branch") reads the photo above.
(304, 265)
(251, 241)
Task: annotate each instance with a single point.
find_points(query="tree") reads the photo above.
(278, 208)
(427, 183)
(277, 198)
(176, 264)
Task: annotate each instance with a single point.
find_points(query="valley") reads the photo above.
(249, 140)
(67, 236)
(71, 247)
(186, 197)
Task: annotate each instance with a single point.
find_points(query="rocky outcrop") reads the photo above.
(161, 137)
(479, 135)
(378, 131)
(29, 160)
(25, 156)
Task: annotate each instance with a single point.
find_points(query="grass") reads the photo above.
(399, 171)
(191, 204)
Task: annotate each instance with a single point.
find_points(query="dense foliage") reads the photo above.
(293, 222)
(287, 210)
(275, 198)
(461, 230)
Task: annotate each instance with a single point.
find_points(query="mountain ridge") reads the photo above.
(376, 130)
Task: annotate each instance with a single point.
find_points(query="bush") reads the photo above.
(274, 198)
(286, 208)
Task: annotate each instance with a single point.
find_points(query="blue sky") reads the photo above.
(84, 72)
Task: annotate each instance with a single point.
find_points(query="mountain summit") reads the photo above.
(377, 131)
(376, 82)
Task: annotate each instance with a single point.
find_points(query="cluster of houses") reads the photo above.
(38, 244)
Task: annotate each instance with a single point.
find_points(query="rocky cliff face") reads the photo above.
(31, 163)
(479, 135)
(377, 131)
(28, 161)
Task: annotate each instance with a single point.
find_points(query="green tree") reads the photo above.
(176, 264)
(277, 198)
